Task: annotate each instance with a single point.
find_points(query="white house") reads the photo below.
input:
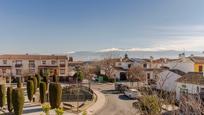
(191, 84)
(167, 80)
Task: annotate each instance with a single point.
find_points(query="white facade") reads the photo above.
(188, 88)
(167, 81)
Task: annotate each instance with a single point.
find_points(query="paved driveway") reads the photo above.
(116, 104)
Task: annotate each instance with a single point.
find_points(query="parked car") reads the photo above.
(132, 93)
(95, 78)
(121, 87)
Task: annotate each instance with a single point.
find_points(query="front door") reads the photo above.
(123, 76)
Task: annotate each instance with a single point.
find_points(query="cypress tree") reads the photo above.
(55, 93)
(18, 100)
(2, 95)
(9, 99)
(30, 89)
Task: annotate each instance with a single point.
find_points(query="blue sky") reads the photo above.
(60, 26)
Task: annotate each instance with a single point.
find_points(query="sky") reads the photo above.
(60, 26)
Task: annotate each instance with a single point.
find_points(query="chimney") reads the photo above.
(182, 56)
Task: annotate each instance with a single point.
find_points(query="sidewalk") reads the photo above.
(98, 105)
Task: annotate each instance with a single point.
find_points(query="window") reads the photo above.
(62, 62)
(129, 65)
(18, 71)
(200, 68)
(148, 75)
(31, 63)
(145, 65)
(44, 62)
(62, 71)
(4, 61)
(53, 62)
(19, 62)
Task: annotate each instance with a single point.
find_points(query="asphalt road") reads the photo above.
(116, 103)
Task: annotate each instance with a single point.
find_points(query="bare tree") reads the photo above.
(136, 74)
(88, 71)
(108, 65)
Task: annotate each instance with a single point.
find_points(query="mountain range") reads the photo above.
(97, 55)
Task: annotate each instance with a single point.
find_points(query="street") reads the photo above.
(116, 103)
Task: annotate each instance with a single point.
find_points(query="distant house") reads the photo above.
(188, 64)
(191, 84)
(122, 66)
(19, 65)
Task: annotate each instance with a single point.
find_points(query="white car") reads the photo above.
(132, 93)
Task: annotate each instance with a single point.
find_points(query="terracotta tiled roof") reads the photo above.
(32, 57)
(192, 78)
(197, 60)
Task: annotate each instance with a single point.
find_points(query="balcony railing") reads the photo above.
(18, 65)
(62, 65)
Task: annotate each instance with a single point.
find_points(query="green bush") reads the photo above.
(105, 78)
(18, 100)
(55, 93)
(2, 95)
(19, 84)
(111, 80)
(45, 79)
(9, 99)
(30, 89)
(38, 79)
(79, 76)
(43, 88)
(59, 111)
(35, 82)
(150, 105)
(46, 108)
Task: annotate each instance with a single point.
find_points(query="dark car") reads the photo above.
(121, 87)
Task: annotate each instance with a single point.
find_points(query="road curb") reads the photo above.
(98, 105)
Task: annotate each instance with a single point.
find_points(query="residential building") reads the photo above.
(188, 64)
(22, 65)
(191, 84)
(166, 80)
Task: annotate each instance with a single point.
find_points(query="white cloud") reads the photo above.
(110, 49)
(181, 43)
(190, 43)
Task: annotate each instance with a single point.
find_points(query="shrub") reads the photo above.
(35, 82)
(38, 80)
(9, 99)
(84, 113)
(30, 89)
(19, 84)
(150, 105)
(2, 95)
(18, 100)
(59, 111)
(111, 80)
(55, 93)
(43, 88)
(79, 76)
(46, 108)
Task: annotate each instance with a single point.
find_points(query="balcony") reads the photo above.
(62, 65)
(18, 65)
